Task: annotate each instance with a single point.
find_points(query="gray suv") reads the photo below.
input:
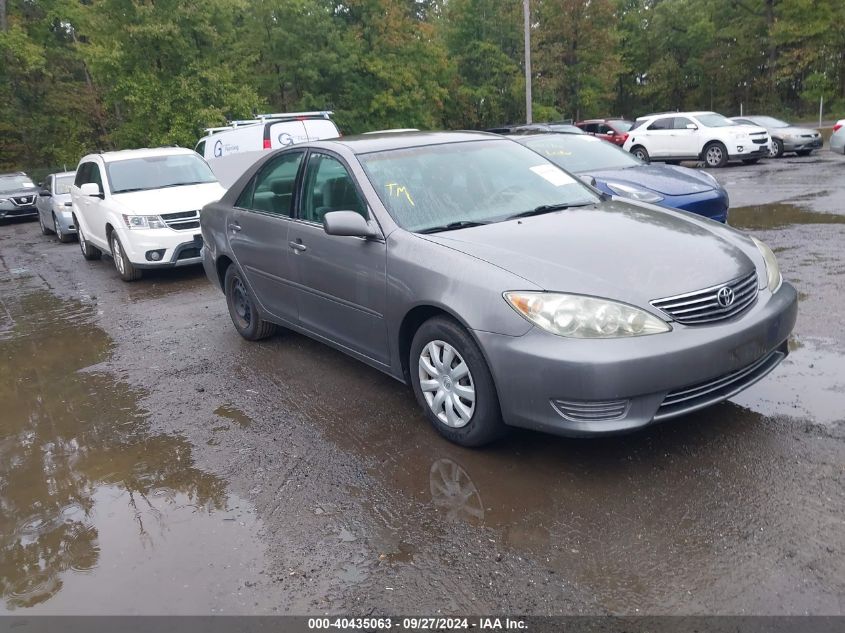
(504, 290)
(17, 196)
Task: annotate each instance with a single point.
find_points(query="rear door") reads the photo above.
(683, 140)
(45, 202)
(341, 280)
(660, 137)
(286, 133)
(257, 229)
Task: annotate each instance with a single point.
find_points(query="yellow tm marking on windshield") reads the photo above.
(395, 189)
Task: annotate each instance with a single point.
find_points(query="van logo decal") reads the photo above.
(285, 139)
(218, 149)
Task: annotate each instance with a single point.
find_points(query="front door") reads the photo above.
(257, 229)
(341, 280)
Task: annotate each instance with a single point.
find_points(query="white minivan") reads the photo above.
(266, 131)
(142, 207)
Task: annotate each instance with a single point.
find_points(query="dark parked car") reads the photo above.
(504, 290)
(612, 130)
(17, 196)
(530, 128)
(619, 173)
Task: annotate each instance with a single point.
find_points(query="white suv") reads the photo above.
(705, 136)
(143, 207)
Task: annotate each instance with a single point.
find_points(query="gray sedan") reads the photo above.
(55, 212)
(785, 137)
(505, 291)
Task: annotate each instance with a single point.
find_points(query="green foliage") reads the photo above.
(79, 75)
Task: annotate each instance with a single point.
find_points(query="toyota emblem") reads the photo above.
(725, 297)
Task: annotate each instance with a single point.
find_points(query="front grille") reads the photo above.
(703, 306)
(188, 253)
(581, 411)
(809, 135)
(182, 221)
(694, 397)
(23, 200)
(759, 141)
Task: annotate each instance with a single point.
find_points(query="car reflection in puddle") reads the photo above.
(91, 502)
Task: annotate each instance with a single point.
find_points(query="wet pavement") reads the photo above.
(148, 452)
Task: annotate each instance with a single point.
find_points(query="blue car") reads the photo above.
(621, 174)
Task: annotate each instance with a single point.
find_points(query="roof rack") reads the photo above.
(292, 115)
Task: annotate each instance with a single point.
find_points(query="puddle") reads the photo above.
(655, 520)
(98, 514)
(234, 414)
(772, 216)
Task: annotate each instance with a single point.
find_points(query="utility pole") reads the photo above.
(526, 13)
(2, 15)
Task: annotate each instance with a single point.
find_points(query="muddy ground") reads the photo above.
(151, 461)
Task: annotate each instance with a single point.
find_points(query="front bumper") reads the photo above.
(13, 211)
(65, 220)
(802, 144)
(711, 204)
(595, 387)
(177, 248)
(749, 151)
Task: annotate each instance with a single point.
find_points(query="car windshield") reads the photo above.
(768, 121)
(15, 182)
(714, 120)
(155, 172)
(63, 184)
(580, 153)
(475, 182)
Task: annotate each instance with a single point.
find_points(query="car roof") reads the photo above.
(688, 113)
(367, 143)
(125, 154)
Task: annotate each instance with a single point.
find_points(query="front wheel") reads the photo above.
(242, 308)
(62, 236)
(776, 148)
(640, 152)
(124, 267)
(453, 384)
(715, 155)
(44, 229)
(89, 252)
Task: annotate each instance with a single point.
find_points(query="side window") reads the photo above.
(82, 174)
(200, 149)
(271, 191)
(604, 129)
(328, 187)
(591, 128)
(681, 123)
(94, 176)
(662, 124)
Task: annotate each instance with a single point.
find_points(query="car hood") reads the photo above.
(795, 131)
(170, 199)
(748, 129)
(28, 191)
(629, 252)
(665, 179)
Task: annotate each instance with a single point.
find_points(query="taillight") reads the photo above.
(837, 126)
(624, 138)
(267, 143)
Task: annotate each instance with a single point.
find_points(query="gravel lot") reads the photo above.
(150, 454)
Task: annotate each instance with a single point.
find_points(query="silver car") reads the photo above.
(55, 210)
(505, 291)
(785, 137)
(837, 140)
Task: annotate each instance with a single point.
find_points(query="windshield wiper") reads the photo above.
(460, 224)
(185, 184)
(547, 208)
(130, 190)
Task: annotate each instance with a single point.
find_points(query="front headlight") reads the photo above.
(144, 222)
(578, 316)
(629, 191)
(772, 269)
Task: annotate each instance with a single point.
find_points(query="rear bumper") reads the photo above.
(596, 387)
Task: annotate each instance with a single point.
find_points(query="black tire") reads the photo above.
(44, 229)
(641, 152)
(88, 252)
(62, 237)
(485, 422)
(243, 309)
(777, 148)
(715, 155)
(750, 161)
(122, 265)
(804, 152)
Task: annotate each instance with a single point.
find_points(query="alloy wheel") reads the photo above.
(446, 384)
(714, 155)
(117, 255)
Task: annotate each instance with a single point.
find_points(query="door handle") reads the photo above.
(298, 246)
(234, 227)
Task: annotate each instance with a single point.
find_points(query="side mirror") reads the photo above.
(692, 126)
(91, 189)
(348, 224)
